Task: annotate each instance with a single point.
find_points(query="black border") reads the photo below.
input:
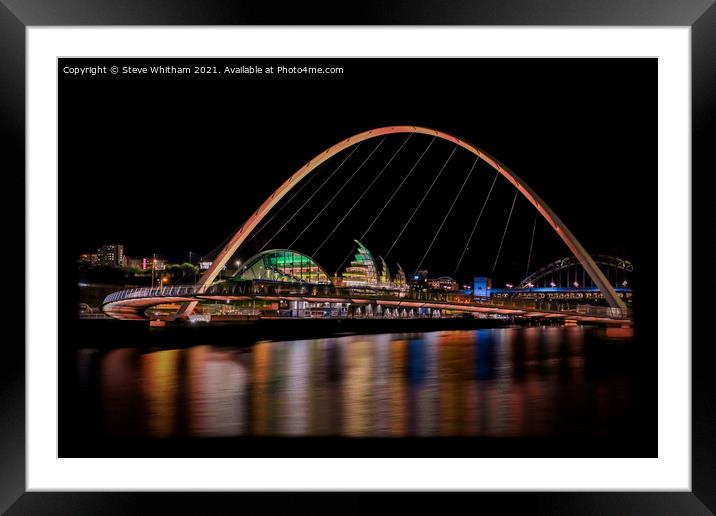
(700, 15)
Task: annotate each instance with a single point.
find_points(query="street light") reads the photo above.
(154, 263)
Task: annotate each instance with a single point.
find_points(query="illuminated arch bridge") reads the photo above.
(568, 271)
(285, 275)
(566, 279)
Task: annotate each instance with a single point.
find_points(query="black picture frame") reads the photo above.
(17, 15)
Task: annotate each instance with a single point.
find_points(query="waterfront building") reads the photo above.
(481, 286)
(110, 255)
(385, 279)
(283, 265)
(362, 271)
(90, 259)
(445, 283)
(400, 280)
(133, 263)
(159, 263)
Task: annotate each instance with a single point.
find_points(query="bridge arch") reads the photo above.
(549, 215)
(569, 261)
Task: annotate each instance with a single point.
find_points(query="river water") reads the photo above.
(504, 382)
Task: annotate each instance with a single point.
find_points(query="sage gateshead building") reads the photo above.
(288, 270)
(283, 265)
(288, 266)
(364, 271)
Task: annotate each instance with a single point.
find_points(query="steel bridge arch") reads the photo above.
(569, 261)
(550, 216)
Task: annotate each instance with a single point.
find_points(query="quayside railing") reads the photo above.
(259, 288)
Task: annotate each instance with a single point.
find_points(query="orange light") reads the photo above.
(165, 279)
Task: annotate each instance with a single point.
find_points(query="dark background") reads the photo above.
(172, 164)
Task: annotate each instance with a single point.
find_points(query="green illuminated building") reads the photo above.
(283, 265)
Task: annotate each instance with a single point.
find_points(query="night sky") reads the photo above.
(172, 164)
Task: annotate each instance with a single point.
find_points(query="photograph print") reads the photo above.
(352, 257)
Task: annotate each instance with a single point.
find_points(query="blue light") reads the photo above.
(481, 287)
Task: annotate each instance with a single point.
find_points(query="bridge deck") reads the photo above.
(132, 304)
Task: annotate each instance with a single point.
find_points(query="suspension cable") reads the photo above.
(529, 256)
(311, 197)
(338, 192)
(335, 273)
(304, 185)
(211, 254)
(474, 227)
(448, 213)
(362, 195)
(388, 202)
(499, 249)
(255, 233)
(281, 208)
(421, 201)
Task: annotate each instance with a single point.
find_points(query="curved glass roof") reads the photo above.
(362, 271)
(283, 265)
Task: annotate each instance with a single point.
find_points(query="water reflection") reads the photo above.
(160, 383)
(120, 397)
(357, 399)
(500, 382)
(216, 392)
